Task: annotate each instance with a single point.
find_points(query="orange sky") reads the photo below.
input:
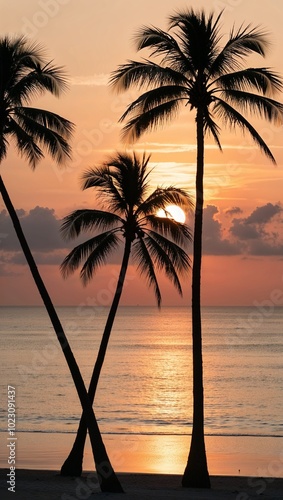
(243, 238)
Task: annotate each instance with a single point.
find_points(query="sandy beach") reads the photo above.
(156, 454)
(154, 466)
(49, 485)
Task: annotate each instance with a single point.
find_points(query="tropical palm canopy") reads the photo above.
(194, 70)
(122, 183)
(192, 65)
(24, 75)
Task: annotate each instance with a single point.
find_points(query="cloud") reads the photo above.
(5, 269)
(262, 215)
(51, 258)
(257, 234)
(213, 241)
(40, 226)
(165, 148)
(96, 80)
(241, 230)
(233, 211)
(264, 248)
(260, 233)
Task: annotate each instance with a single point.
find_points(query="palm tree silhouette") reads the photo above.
(188, 65)
(154, 242)
(23, 75)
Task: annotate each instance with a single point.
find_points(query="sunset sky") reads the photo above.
(243, 218)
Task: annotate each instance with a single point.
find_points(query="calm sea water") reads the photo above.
(145, 386)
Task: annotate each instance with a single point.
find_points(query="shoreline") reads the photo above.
(49, 485)
(246, 460)
(150, 467)
(153, 454)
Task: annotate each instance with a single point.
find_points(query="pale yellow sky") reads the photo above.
(91, 38)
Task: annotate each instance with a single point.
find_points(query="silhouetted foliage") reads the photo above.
(122, 185)
(189, 65)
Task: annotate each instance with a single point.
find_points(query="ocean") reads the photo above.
(146, 382)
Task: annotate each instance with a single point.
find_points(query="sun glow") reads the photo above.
(173, 212)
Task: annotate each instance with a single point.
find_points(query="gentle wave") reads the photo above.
(146, 387)
(208, 434)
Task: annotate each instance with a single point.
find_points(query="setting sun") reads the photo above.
(174, 212)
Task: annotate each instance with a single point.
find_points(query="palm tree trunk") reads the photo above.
(196, 472)
(106, 475)
(74, 462)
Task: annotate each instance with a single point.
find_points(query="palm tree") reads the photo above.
(189, 65)
(24, 74)
(122, 184)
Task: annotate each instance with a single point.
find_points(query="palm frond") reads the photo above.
(263, 80)
(149, 120)
(146, 267)
(198, 35)
(212, 127)
(151, 37)
(162, 44)
(179, 257)
(180, 233)
(24, 53)
(155, 97)
(17, 59)
(23, 74)
(233, 118)
(47, 119)
(52, 78)
(162, 197)
(168, 257)
(26, 73)
(23, 89)
(241, 43)
(93, 252)
(37, 81)
(3, 147)
(143, 74)
(128, 173)
(163, 262)
(100, 177)
(263, 106)
(248, 40)
(25, 143)
(86, 220)
(56, 144)
(121, 180)
(123, 177)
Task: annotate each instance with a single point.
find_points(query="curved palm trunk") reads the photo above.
(106, 475)
(196, 472)
(74, 462)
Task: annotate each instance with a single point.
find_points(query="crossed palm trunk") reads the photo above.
(73, 465)
(106, 475)
(122, 185)
(24, 74)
